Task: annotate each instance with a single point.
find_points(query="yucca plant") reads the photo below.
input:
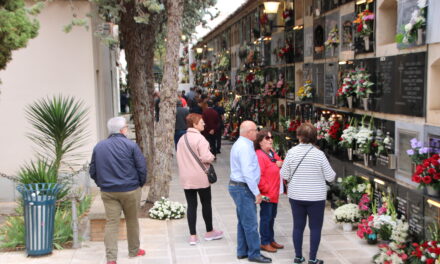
(59, 128)
(41, 171)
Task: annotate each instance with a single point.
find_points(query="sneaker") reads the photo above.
(316, 261)
(193, 240)
(213, 235)
(299, 260)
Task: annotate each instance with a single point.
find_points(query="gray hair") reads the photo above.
(115, 124)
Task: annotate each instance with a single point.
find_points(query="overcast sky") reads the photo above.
(226, 7)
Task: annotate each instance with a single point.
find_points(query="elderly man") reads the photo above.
(119, 169)
(243, 187)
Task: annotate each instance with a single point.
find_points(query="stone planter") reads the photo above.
(350, 101)
(350, 153)
(347, 227)
(367, 43)
(432, 191)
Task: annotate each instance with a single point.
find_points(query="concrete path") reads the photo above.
(166, 241)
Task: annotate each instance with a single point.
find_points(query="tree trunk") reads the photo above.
(139, 50)
(164, 146)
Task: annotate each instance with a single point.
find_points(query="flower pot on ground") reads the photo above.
(372, 241)
(347, 227)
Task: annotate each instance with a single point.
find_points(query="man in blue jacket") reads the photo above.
(119, 169)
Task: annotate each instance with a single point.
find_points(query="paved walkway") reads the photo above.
(166, 241)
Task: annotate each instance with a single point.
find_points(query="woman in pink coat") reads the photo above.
(194, 179)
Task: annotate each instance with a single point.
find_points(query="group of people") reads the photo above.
(212, 113)
(258, 176)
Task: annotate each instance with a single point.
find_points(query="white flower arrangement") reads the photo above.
(347, 213)
(322, 127)
(381, 220)
(349, 137)
(165, 209)
(332, 38)
(400, 231)
(417, 21)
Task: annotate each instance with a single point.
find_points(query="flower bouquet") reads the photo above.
(332, 38)
(417, 153)
(348, 137)
(333, 134)
(365, 202)
(362, 84)
(393, 253)
(165, 209)
(364, 139)
(305, 92)
(193, 66)
(354, 187)
(428, 174)
(347, 214)
(426, 253)
(364, 26)
(347, 89)
(288, 15)
(413, 30)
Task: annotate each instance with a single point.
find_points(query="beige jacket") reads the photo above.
(191, 174)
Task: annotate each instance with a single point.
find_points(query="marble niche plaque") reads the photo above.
(415, 214)
(346, 32)
(432, 217)
(403, 160)
(330, 83)
(308, 42)
(318, 82)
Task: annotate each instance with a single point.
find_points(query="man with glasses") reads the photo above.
(119, 169)
(243, 188)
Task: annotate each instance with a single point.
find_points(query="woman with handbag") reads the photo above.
(306, 170)
(194, 159)
(270, 186)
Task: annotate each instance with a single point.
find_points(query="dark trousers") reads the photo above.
(205, 200)
(268, 212)
(177, 134)
(212, 143)
(218, 141)
(315, 212)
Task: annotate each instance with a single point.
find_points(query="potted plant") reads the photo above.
(366, 231)
(347, 214)
(354, 187)
(428, 175)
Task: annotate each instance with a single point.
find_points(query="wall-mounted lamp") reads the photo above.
(210, 49)
(183, 37)
(432, 202)
(199, 50)
(298, 27)
(360, 2)
(365, 178)
(271, 7)
(379, 181)
(288, 138)
(342, 62)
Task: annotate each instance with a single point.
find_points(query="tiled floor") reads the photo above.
(166, 241)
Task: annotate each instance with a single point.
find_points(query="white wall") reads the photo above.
(53, 63)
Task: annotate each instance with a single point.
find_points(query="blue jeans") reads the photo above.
(177, 135)
(248, 239)
(268, 212)
(315, 212)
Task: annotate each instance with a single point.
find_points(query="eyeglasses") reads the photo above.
(268, 137)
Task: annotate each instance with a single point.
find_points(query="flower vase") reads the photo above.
(350, 101)
(347, 227)
(332, 51)
(431, 191)
(365, 103)
(419, 36)
(367, 43)
(366, 157)
(350, 153)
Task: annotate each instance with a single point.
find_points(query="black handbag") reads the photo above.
(210, 172)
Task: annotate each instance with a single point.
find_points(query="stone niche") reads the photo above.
(331, 21)
(386, 28)
(433, 34)
(433, 94)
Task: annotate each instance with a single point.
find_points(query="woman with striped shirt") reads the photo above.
(306, 169)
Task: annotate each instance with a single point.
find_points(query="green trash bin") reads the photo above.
(39, 216)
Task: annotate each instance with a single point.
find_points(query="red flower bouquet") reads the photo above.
(294, 124)
(393, 253)
(428, 173)
(426, 252)
(287, 15)
(365, 230)
(193, 66)
(264, 19)
(334, 132)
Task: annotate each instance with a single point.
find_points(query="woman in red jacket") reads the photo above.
(270, 186)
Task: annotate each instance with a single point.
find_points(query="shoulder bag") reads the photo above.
(210, 172)
(291, 176)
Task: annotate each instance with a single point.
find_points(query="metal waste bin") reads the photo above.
(39, 216)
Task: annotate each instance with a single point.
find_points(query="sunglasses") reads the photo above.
(267, 137)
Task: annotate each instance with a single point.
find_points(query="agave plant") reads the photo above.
(59, 128)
